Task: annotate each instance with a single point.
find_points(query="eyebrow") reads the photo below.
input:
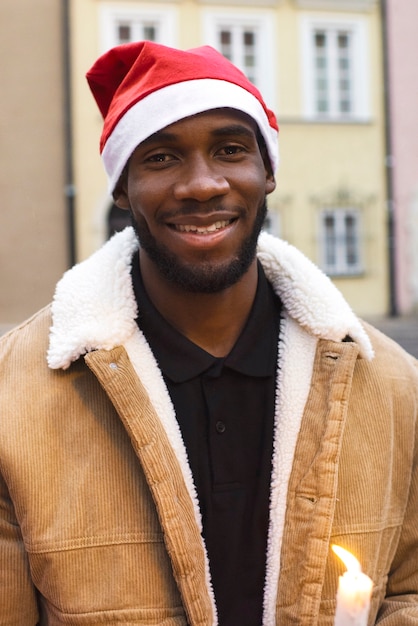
(160, 135)
(233, 129)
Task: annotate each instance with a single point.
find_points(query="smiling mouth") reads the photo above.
(202, 230)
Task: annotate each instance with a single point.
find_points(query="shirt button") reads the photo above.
(220, 427)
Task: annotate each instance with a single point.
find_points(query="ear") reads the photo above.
(270, 180)
(120, 192)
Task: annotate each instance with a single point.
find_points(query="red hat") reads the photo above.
(142, 87)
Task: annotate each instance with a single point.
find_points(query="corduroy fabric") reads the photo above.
(355, 485)
(91, 532)
(109, 534)
(164, 477)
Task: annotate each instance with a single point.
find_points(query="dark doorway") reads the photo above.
(117, 220)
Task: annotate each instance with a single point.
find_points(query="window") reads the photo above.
(122, 25)
(335, 70)
(248, 43)
(134, 30)
(239, 45)
(340, 241)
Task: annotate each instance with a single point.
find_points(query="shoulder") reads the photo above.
(32, 394)
(26, 342)
(392, 372)
(25, 379)
(389, 354)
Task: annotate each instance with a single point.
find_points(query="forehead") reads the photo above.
(215, 120)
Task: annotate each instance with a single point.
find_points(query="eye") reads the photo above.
(160, 157)
(231, 150)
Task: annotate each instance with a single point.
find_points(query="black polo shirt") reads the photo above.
(225, 409)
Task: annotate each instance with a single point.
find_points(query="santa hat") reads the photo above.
(142, 87)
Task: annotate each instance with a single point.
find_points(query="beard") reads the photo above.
(207, 277)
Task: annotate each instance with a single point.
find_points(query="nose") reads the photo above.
(200, 179)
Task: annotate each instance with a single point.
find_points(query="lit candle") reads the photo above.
(354, 592)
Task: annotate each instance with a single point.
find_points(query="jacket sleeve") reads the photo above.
(400, 606)
(18, 604)
(18, 597)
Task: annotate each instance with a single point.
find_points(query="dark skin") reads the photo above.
(197, 187)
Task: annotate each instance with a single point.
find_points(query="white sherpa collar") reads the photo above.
(94, 305)
(309, 296)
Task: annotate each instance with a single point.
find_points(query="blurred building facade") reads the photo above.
(402, 154)
(33, 228)
(319, 65)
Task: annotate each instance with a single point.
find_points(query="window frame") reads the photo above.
(111, 14)
(261, 23)
(341, 266)
(338, 5)
(355, 28)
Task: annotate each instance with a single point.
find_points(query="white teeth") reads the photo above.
(202, 230)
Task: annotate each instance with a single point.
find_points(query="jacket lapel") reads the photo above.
(313, 484)
(165, 478)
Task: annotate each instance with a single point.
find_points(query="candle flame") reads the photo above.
(349, 560)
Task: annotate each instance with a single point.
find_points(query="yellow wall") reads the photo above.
(320, 158)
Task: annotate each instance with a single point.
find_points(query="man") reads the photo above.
(199, 415)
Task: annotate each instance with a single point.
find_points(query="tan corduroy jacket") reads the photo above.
(99, 521)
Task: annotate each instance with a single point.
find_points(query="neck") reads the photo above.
(212, 321)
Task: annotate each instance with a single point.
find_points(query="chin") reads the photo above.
(207, 277)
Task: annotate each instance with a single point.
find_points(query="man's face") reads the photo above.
(196, 191)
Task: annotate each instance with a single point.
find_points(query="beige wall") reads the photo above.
(33, 250)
